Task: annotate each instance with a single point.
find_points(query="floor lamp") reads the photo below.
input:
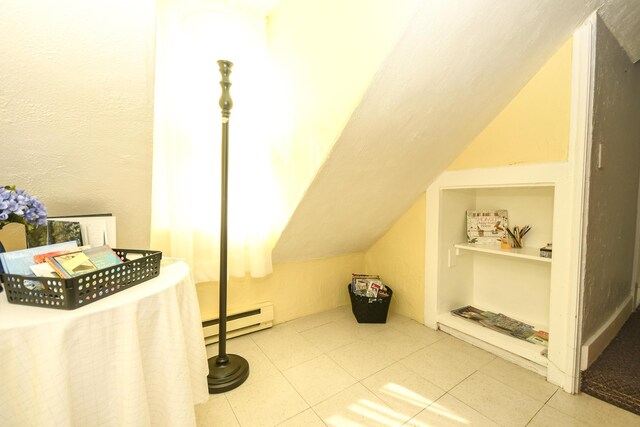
(226, 371)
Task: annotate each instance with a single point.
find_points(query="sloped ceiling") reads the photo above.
(622, 17)
(455, 68)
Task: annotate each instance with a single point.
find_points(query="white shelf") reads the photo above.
(532, 254)
(524, 349)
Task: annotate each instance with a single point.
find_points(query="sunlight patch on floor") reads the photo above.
(403, 393)
(443, 412)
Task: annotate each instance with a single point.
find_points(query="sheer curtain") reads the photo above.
(191, 36)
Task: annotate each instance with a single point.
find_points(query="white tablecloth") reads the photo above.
(136, 358)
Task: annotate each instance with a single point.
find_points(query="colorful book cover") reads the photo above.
(19, 262)
(72, 264)
(486, 227)
(103, 256)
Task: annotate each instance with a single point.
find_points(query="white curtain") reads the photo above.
(191, 36)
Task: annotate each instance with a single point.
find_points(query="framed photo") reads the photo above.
(487, 227)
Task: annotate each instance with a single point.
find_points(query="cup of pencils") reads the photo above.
(517, 234)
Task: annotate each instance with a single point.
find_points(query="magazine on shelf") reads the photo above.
(486, 227)
(503, 324)
(472, 313)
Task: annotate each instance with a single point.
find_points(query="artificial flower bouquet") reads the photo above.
(18, 206)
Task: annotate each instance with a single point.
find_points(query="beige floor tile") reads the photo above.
(463, 351)
(361, 358)
(394, 319)
(307, 418)
(362, 330)
(450, 412)
(496, 400)
(285, 347)
(260, 366)
(402, 390)
(318, 319)
(592, 411)
(357, 406)
(549, 417)
(525, 381)
(216, 412)
(265, 402)
(422, 333)
(318, 379)
(439, 368)
(395, 344)
(331, 336)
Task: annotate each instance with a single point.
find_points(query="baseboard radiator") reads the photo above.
(240, 322)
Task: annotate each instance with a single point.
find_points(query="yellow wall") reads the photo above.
(534, 127)
(296, 289)
(398, 257)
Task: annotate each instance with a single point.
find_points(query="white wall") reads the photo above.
(613, 189)
(76, 107)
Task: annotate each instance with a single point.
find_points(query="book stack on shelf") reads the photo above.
(503, 324)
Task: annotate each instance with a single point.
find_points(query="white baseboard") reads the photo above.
(596, 344)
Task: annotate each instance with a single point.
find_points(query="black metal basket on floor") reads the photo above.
(370, 310)
(69, 294)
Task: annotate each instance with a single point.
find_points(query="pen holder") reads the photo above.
(516, 235)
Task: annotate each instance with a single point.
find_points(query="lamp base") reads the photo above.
(227, 376)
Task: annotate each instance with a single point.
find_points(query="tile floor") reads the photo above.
(326, 369)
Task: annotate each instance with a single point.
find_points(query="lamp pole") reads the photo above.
(226, 371)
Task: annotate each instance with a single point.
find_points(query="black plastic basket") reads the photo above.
(370, 310)
(69, 294)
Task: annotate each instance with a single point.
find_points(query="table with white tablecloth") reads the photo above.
(135, 358)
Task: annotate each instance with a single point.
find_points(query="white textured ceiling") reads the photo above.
(622, 17)
(458, 64)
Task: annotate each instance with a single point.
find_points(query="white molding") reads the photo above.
(580, 134)
(596, 344)
(432, 231)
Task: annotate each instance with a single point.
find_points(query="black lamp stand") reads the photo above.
(226, 371)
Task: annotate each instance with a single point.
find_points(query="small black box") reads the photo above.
(546, 251)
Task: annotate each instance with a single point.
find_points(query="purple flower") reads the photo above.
(20, 207)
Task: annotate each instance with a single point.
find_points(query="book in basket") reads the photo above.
(74, 264)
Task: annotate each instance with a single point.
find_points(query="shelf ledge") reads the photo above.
(532, 254)
(524, 349)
